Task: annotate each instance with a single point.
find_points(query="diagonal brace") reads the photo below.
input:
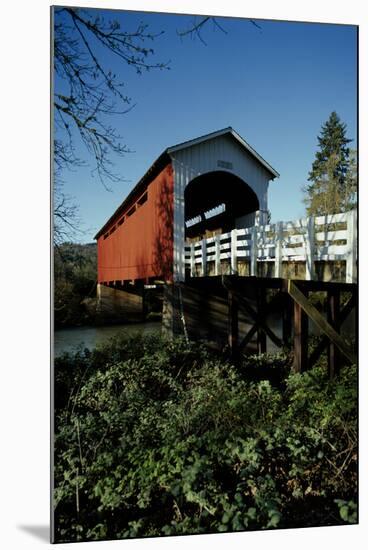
(320, 321)
(348, 307)
(259, 321)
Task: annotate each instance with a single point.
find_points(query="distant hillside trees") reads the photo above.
(333, 177)
(75, 268)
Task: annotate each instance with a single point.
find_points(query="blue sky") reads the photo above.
(275, 86)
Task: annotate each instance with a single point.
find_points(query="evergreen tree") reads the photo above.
(333, 175)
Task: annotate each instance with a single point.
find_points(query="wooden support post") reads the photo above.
(261, 306)
(333, 310)
(233, 334)
(300, 339)
(287, 316)
(323, 343)
(300, 298)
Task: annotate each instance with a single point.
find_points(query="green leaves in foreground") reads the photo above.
(160, 438)
(348, 510)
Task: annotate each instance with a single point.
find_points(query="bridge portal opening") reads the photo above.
(217, 202)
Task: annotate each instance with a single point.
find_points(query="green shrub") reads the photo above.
(155, 437)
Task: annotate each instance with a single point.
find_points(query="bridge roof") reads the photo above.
(165, 158)
(229, 130)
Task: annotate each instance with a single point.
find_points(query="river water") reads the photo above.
(72, 339)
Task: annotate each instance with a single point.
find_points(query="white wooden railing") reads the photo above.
(322, 238)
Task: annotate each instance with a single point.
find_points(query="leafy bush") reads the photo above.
(157, 437)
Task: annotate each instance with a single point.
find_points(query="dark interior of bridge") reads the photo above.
(222, 191)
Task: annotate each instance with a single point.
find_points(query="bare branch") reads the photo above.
(195, 29)
(197, 26)
(255, 24)
(87, 92)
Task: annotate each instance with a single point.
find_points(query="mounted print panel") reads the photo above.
(205, 262)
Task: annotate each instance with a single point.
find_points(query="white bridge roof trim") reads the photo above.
(229, 130)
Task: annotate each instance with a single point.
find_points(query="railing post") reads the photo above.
(204, 258)
(309, 249)
(217, 255)
(351, 257)
(254, 252)
(278, 249)
(233, 259)
(192, 260)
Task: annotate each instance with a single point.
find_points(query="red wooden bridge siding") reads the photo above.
(142, 246)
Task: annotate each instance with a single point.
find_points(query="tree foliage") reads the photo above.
(158, 437)
(333, 175)
(75, 267)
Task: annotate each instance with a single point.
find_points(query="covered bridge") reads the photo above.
(194, 190)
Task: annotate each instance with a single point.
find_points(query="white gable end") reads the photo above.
(225, 154)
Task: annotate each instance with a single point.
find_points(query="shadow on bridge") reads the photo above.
(233, 312)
